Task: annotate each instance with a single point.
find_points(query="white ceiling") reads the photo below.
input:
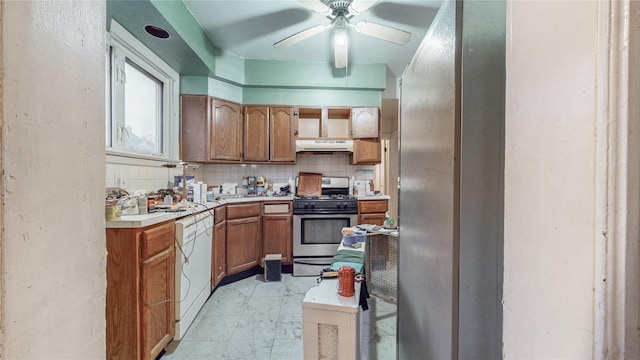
(250, 28)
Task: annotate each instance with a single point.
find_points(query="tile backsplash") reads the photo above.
(132, 178)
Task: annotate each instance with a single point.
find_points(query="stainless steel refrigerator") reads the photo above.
(451, 187)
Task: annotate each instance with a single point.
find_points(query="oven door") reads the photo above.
(319, 234)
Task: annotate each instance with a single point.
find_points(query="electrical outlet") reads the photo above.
(119, 181)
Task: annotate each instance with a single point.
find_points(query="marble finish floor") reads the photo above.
(252, 319)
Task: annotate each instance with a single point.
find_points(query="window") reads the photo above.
(142, 100)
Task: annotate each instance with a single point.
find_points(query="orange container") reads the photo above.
(346, 281)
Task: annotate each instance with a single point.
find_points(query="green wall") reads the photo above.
(206, 69)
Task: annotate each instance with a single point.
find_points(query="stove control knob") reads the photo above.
(344, 206)
(313, 206)
(306, 206)
(338, 206)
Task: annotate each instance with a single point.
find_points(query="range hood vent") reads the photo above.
(324, 145)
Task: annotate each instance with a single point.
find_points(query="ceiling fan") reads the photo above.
(340, 12)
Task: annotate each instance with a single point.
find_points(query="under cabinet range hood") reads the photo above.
(324, 145)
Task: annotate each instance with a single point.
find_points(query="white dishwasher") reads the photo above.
(193, 268)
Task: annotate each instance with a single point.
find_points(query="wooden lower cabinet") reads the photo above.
(244, 237)
(219, 254)
(277, 230)
(372, 211)
(140, 313)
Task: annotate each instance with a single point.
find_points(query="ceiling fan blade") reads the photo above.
(383, 32)
(360, 6)
(304, 34)
(317, 6)
(340, 52)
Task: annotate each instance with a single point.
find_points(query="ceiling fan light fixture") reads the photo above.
(341, 38)
(340, 48)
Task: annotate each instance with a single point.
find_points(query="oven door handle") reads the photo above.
(313, 262)
(322, 216)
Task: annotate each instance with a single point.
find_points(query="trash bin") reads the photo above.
(272, 264)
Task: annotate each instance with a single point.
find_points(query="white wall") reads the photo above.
(550, 127)
(53, 240)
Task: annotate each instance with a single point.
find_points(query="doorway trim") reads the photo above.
(617, 214)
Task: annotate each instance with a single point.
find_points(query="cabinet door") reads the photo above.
(372, 211)
(194, 122)
(256, 133)
(244, 243)
(367, 151)
(277, 236)
(158, 307)
(282, 139)
(218, 265)
(374, 219)
(243, 210)
(372, 206)
(364, 123)
(225, 131)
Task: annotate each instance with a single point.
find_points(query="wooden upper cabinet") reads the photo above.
(365, 123)
(269, 134)
(256, 133)
(225, 131)
(194, 118)
(211, 129)
(310, 123)
(367, 151)
(337, 124)
(282, 135)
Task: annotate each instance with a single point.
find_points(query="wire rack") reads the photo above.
(382, 266)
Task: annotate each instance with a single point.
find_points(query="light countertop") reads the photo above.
(138, 221)
(374, 197)
(142, 220)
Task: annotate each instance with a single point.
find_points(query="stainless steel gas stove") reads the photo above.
(318, 223)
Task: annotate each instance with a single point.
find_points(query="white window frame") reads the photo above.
(126, 46)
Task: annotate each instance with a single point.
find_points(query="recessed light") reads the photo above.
(157, 31)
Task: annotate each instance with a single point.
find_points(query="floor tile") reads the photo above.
(263, 305)
(210, 328)
(269, 289)
(244, 287)
(287, 349)
(383, 348)
(253, 319)
(255, 326)
(292, 305)
(248, 350)
(198, 350)
(289, 326)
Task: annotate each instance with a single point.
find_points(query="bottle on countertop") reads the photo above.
(292, 185)
(142, 205)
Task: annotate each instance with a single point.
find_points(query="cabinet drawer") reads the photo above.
(238, 211)
(157, 239)
(276, 208)
(372, 206)
(220, 214)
